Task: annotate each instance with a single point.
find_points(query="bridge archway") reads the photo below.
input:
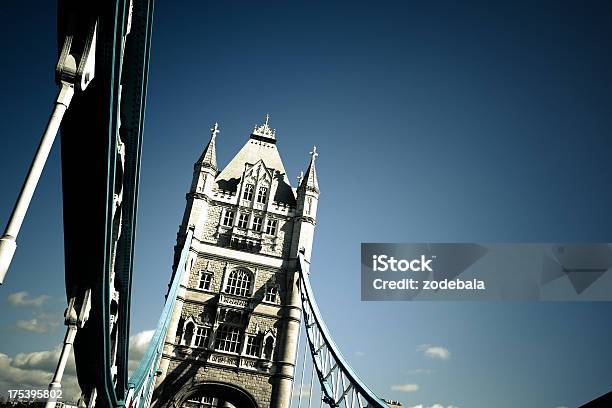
(227, 393)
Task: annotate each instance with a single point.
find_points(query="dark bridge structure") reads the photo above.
(102, 71)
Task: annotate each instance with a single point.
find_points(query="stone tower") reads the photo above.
(233, 336)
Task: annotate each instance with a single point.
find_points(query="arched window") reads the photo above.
(239, 283)
(248, 192)
(205, 280)
(271, 294)
(268, 348)
(262, 195)
(227, 339)
(257, 223)
(188, 334)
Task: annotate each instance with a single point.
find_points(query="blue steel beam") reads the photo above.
(143, 379)
(100, 146)
(338, 380)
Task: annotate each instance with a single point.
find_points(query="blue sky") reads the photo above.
(435, 121)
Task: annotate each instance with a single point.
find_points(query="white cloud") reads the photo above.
(34, 370)
(32, 325)
(405, 387)
(138, 345)
(430, 351)
(360, 353)
(23, 299)
(43, 360)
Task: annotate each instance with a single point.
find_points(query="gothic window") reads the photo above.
(202, 334)
(269, 346)
(271, 294)
(243, 220)
(248, 192)
(262, 195)
(189, 327)
(257, 222)
(253, 347)
(205, 280)
(238, 283)
(227, 339)
(271, 227)
(228, 218)
(309, 208)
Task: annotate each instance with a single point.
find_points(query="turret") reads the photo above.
(205, 169)
(204, 173)
(306, 210)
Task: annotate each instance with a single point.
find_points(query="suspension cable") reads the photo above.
(302, 377)
(298, 343)
(312, 370)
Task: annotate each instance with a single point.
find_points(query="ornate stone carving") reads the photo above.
(264, 130)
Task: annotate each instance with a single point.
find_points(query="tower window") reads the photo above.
(202, 334)
(238, 283)
(253, 347)
(257, 223)
(228, 218)
(309, 203)
(227, 339)
(248, 192)
(243, 220)
(262, 195)
(188, 334)
(269, 348)
(205, 280)
(271, 227)
(271, 294)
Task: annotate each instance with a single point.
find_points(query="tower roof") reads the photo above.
(209, 155)
(309, 180)
(260, 146)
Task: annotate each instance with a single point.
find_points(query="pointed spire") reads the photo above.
(209, 155)
(309, 180)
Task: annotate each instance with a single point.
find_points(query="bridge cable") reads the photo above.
(332, 368)
(296, 355)
(312, 370)
(303, 370)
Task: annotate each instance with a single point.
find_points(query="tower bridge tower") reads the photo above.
(233, 336)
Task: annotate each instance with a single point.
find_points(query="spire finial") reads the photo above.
(264, 130)
(314, 153)
(300, 177)
(214, 130)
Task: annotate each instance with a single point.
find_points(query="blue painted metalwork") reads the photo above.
(105, 167)
(142, 382)
(339, 382)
